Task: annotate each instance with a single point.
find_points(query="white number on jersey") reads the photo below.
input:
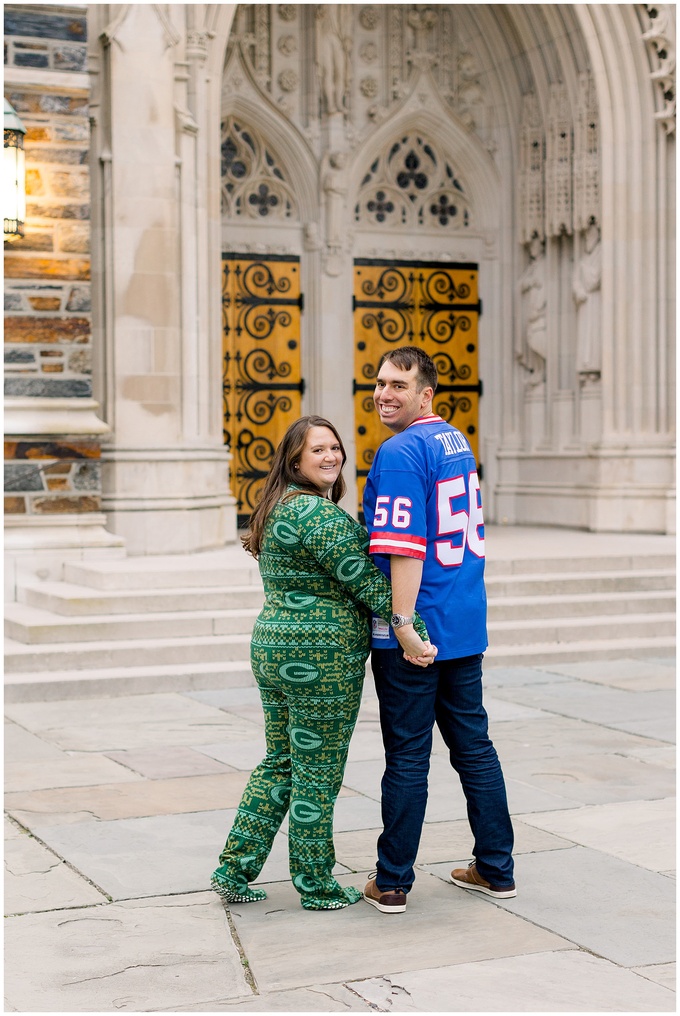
(467, 523)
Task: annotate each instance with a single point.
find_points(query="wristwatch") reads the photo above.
(399, 620)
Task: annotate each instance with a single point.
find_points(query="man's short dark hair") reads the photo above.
(406, 357)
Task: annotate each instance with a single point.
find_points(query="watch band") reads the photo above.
(399, 620)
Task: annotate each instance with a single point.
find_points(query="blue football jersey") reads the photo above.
(422, 500)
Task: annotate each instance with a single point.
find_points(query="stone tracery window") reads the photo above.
(253, 183)
(411, 184)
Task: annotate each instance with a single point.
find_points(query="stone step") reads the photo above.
(574, 629)
(23, 658)
(601, 649)
(509, 608)
(496, 566)
(230, 566)
(34, 626)
(580, 583)
(40, 686)
(73, 600)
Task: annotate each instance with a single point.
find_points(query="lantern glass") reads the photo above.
(14, 184)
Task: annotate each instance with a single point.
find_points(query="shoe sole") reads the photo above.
(383, 909)
(230, 896)
(497, 894)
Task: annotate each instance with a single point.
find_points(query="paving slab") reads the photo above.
(242, 755)
(225, 698)
(660, 973)
(130, 721)
(287, 946)
(140, 857)
(592, 702)
(500, 711)
(315, 998)
(629, 675)
(560, 735)
(84, 770)
(134, 956)
(36, 879)
(517, 676)
(22, 746)
(168, 762)
(440, 841)
(615, 909)
(642, 832)
(131, 800)
(662, 728)
(542, 982)
(665, 756)
(593, 779)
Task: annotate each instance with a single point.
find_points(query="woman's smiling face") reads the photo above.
(321, 459)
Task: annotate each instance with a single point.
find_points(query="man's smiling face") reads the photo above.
(397, 398)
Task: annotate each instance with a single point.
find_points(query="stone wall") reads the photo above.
(48, 333)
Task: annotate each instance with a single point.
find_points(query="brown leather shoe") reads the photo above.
(469, 878)
(389, 901)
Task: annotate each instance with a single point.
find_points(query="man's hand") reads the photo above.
(415, 650)
(426, 657)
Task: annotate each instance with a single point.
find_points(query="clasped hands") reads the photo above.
(420, 653)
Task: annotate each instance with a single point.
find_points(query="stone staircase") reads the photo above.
(135, 625)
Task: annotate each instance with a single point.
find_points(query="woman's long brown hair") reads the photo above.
(283, 473)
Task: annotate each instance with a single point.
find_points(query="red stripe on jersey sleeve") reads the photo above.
(401, 544)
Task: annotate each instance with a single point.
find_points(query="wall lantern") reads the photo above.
(13, 176)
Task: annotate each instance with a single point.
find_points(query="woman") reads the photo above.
(309, 649)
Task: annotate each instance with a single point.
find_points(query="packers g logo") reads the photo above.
(280, 794)
(305, 812)
(350, 568)
(306, 740)
(284, 533)
(305, 883)
(298, 673)
(308, 506)
(298, 599)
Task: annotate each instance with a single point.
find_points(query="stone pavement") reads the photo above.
(119, 806)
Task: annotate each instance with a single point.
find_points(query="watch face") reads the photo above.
(397, 620)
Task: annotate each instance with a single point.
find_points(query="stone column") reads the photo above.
(165, 468)
(52, 428)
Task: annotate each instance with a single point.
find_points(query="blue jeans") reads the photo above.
(411, 700)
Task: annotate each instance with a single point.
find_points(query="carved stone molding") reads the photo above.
(660, 39)
(558, 168)
(531, 155)
(586, 155)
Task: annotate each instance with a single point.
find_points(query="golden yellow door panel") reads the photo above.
(428, 304)
(262, 386)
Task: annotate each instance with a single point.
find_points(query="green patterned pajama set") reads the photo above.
(308, 653)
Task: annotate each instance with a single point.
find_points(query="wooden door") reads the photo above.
(429, 304)
(262, 383)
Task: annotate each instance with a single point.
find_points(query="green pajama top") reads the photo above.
(320, 586)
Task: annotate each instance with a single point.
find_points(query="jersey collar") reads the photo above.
(426, 419)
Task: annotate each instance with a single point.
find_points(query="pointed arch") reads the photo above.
(283, 141)
(422, 115)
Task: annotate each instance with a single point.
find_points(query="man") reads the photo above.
(424, 516)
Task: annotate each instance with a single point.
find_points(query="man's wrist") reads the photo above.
(401, 621)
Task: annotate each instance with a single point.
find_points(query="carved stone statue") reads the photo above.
(532, 284)
(334, 185)
(586, 293)
(333, 45)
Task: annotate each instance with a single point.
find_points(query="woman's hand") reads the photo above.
(415, 650)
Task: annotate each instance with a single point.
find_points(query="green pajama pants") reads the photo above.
(308, 730)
